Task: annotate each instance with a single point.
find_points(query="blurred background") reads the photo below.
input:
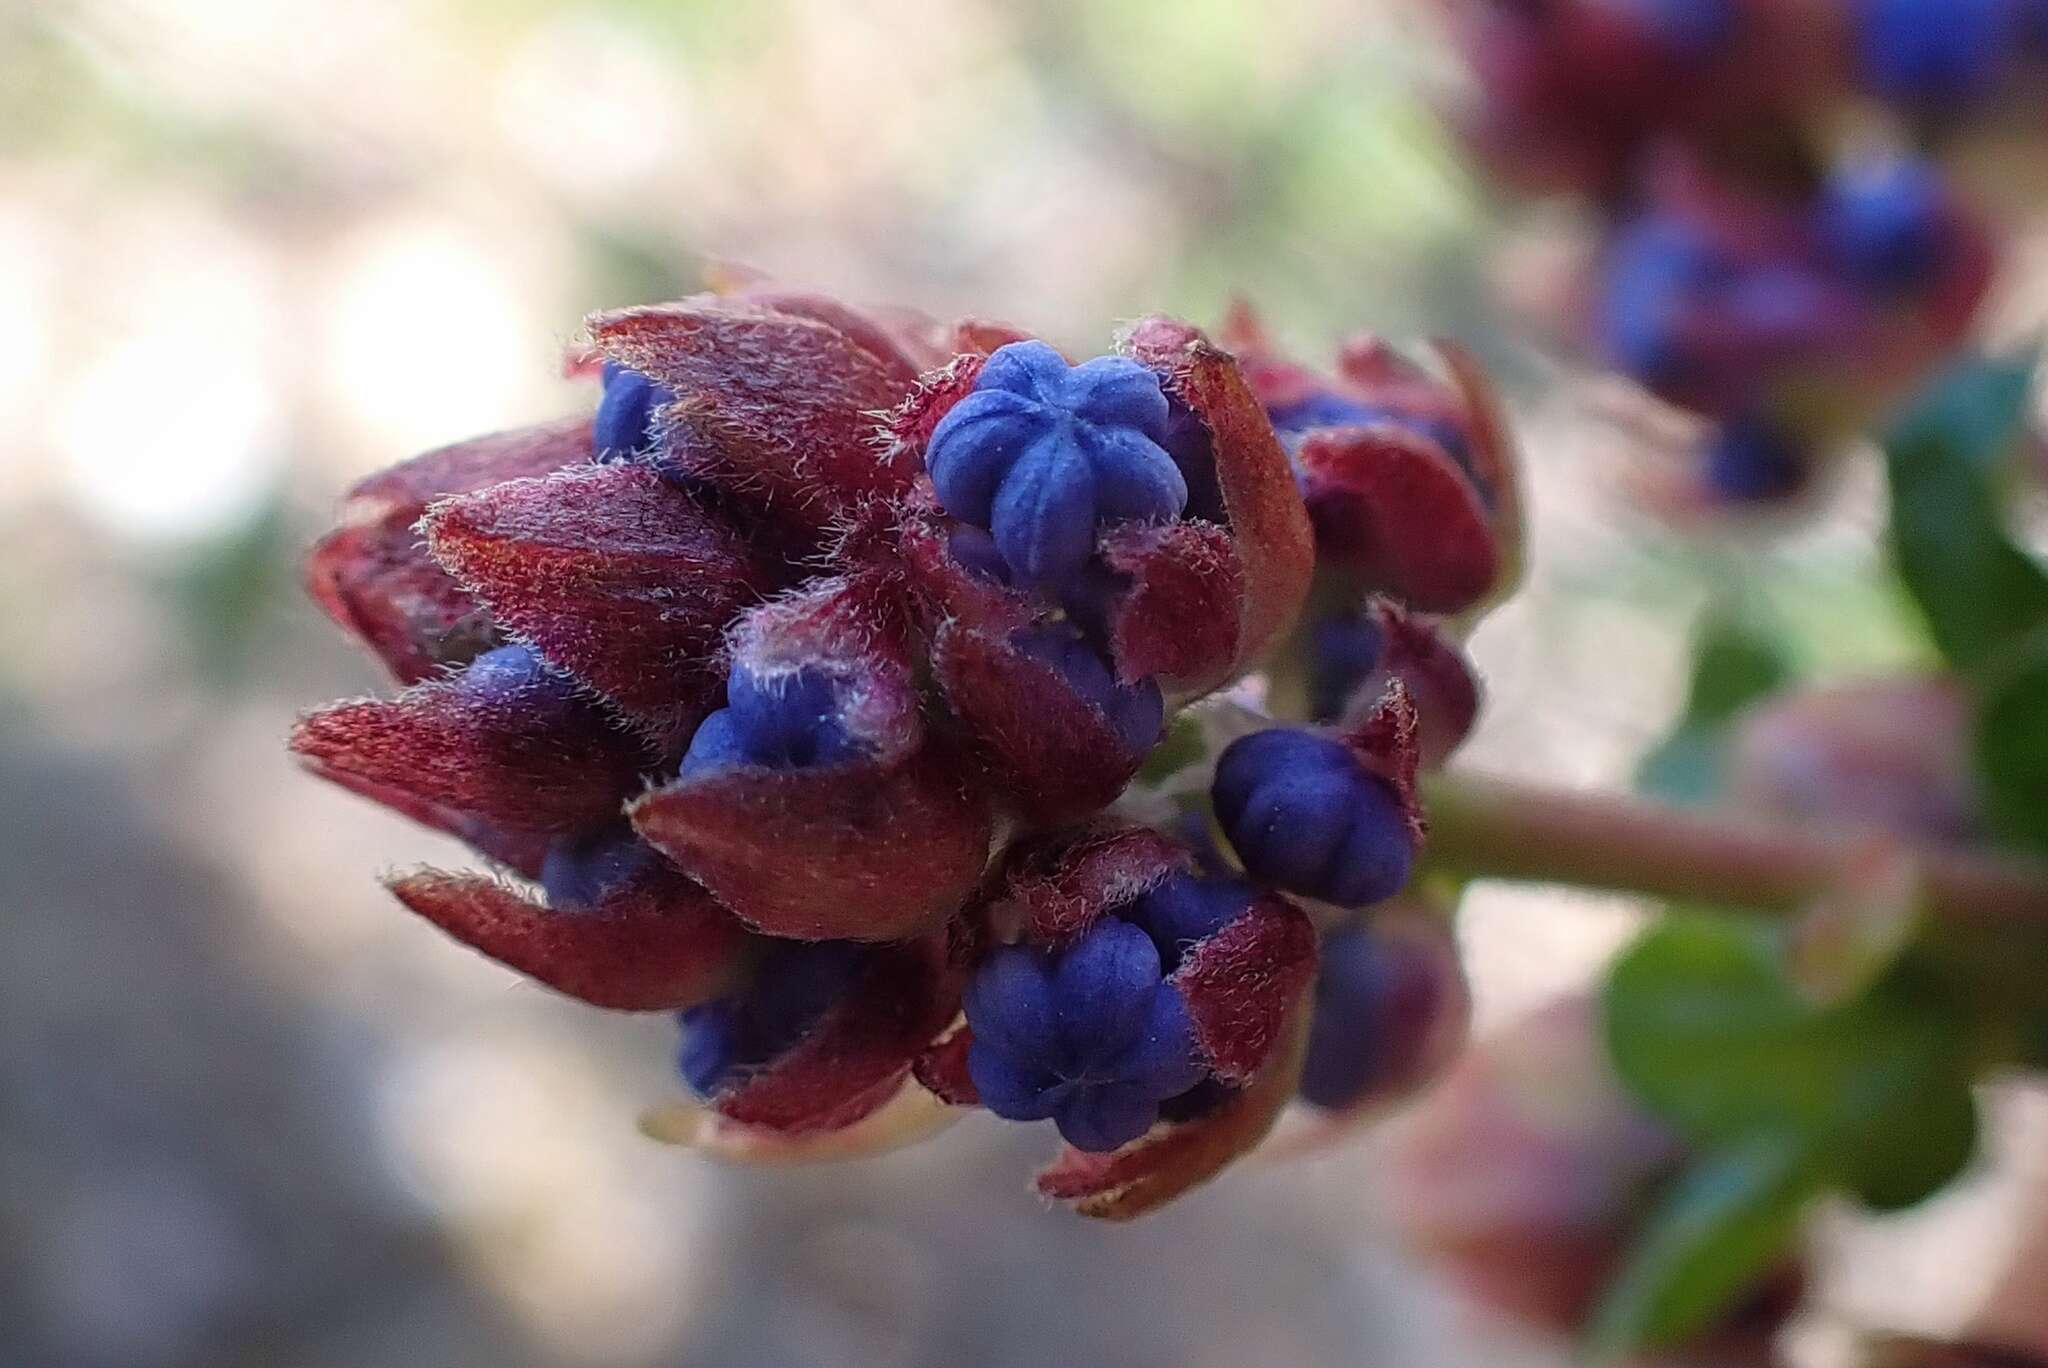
(250, 1113)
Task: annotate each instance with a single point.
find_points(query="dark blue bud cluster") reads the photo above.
(1662, 272)
(1716, 328)
(1753, 460)
(792, 985)
(1371, 1007)
(1089, 1035)
(1042, 453)
(1655, 267)
(1882, 224)
(1935, 53)
(1322, 409)
(1137, 711)
(1305, 815)
(578, 871)
(625, 415)
(791, 720)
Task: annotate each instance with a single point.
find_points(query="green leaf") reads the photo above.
(1904, 1163)
(1183, 745)
(1733, 666)
(1722, 1225)
(1685, 767)
(1978, 591)
(1705, 1026)
(2011, 745)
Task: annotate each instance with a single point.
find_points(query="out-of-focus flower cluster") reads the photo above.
(834, 686)
(1885, 755)
(1784, 252)
(1529, 1171)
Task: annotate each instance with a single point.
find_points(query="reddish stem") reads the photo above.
(1506, 829)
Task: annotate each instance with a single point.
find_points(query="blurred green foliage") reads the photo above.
(1734, 664)
(1782, 1099)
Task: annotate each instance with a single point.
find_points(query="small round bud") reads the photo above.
(1752, 460)
(794, 984)
(1883, 224)
(783, 721)
(625, 415)
(1655, 268)
(1388, 1010)
(1305, 815)
(578, 871)
(1137, 711)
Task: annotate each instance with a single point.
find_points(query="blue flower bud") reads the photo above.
(1137, 711)
(1184, 910)
(1935, 52)
(784, 721)
(1753, 460)
(1089, 1035)
(1320, 409)
(517, 675)
(578, 871)
(1188, 442)
(1042, 453)
(1305, 815)
(1345, 650)
(1884, 224)
(1324, 409)
(1656, 268)
(1372, 1010)
(503, 671)
(625, 415)
(795, 983)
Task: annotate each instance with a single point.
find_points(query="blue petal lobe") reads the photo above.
(1134, 477)
(577, 872)
(1009, 1003)
(1044, 514)
(974, 446)
(625, 414)
(716, 745)
(708, 1055)
(1030, 368)
(1163, 1059)
(1138, 712)
(1373, 862)
(1106, 1118)
(1012, 1089)
(1104, 987)
(1116, 391)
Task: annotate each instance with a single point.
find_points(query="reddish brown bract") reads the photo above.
(655, 944)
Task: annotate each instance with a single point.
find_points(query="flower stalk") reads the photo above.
(1495, 828)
